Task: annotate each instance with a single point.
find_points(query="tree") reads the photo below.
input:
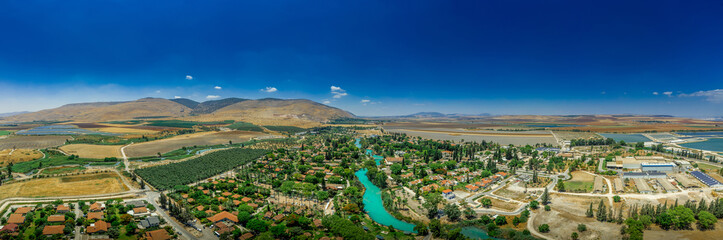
(601, 212)
(547, 208)
(706, 220)
(486, 202)
(574, 235)
(501, 220)
(469, 213)
(435, 226)
(589, 212)
(113, 232)
(545, 197)
(432, 200)
(681, 217)
(543, 228)
(421, 229)
(257, 225)
(581, 227)
(560, 186)
(534, 204)
(616, 198)
(452, 211)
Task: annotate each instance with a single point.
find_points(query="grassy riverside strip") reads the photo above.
(167, 176)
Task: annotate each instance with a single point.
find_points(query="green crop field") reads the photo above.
(578, 186)
(183, 124)
(244, 126)
(288, 129)
(3, 132)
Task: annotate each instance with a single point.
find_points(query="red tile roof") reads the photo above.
(56, 218)
(16, 218)
(99, 226)
(52, 230)
(223, 216)
(160, 234)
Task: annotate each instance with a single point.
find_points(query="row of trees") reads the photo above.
(167, 176)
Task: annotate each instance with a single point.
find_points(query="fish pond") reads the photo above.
(61, 130)
(712, 144)
(628, 138)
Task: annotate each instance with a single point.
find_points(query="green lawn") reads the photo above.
(63, 170)
(3, 132)
(707, 167)
(572, 186)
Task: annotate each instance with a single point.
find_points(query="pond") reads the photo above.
(712, 144)
(61, 130)
(628, 138)
(475, 233)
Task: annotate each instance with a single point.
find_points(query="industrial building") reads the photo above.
(619, 186)
(685, 181)
(598, 187)
(708, 180)
(644, 175)
(667, 185)
(642, 186)
(657, 167)
(642, 163)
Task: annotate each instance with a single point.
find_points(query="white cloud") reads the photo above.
(217, 88)
(326, 102)
(158, 91)
(715, 96)
(365, 100)
(269, 89)
(668, 93)
(213, 97)
(189, 77)
(655, 93)
(338, 92)
(177, 97)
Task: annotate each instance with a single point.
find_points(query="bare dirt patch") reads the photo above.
(32, 142)
(64, 186)
(93, 151)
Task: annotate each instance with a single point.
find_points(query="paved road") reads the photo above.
(152, 198)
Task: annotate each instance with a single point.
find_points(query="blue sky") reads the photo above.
(371, 57)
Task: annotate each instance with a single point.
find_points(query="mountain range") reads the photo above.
(267, 109)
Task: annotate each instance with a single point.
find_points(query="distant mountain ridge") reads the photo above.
(225, 109)
(441, 115)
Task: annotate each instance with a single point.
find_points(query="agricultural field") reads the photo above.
(244, 126)
(63, 170)
(167, 176)
(286, 129)
(580, 182)
(18, 155)
(93, 151)
(183, 124)
(4, 132)
(56, 159)
(565, 135)
(188, 140)
(32, 142)
(64, 186)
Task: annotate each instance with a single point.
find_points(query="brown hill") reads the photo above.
(280, 109)
(106, 111)
(262, 111)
